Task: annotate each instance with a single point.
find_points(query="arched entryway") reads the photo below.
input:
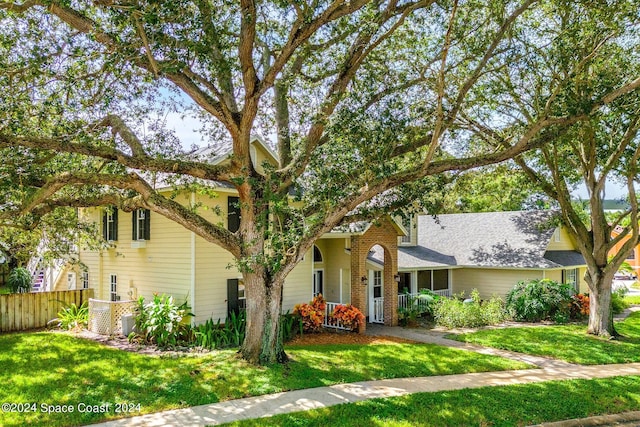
(374, 265)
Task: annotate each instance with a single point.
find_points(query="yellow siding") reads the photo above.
(258, 156)
(161, 267)
(489, 281)
(553, 275)
(211, 280)
(298, 286)
(565, 244)
(582, 286)
(335, 258)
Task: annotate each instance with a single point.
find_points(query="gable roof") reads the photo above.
(215, 154)
(516, 239)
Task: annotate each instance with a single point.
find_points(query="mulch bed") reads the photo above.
(324, 338)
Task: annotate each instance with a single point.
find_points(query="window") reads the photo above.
(556, 234)
(570, 277)
(233, 216)
(85, 280)
(141, 224)
(632, 254)
(71, 281)
(110, 225)
(433, 280)
(113, 281)
(440, 280)
(406, 223)
(236, 298)
(317, 255)
(377, 284)
(318, 282)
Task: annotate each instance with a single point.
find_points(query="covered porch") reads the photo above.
(358, 265)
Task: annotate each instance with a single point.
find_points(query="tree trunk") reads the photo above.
(600, 314)
(263, 341)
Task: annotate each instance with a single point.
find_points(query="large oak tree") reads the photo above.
(361, 98)
(600, 50)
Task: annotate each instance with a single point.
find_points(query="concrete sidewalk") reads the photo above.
(300, 400)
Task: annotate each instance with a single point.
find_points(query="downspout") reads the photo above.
(193, 264)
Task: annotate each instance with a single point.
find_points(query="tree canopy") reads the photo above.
(367, 104)
(600, 50)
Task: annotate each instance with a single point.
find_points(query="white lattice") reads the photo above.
(105, 317)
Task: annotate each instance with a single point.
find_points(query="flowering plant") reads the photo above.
(312, 314)
(579, 306)
(349, 315)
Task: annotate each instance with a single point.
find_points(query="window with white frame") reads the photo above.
(113, 282)
(571, 277)
(85, 279)
(377, 284)
(110, 225)
(141, 224)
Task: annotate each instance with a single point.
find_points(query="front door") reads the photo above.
(376, 301)
(318, 282)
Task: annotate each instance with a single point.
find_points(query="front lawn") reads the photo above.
(59, 369)
(566, 342)
(516, 405)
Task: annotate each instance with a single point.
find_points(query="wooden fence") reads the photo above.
(20, 312)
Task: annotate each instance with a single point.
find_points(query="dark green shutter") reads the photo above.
(233, 216)
(114, 224)
(232, 296)
(134, 225)
(104, 225)
(147, 224)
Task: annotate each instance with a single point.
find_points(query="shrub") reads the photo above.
(349, 315)
(618, 304)
(231, 333)
(458, 313)
(216, 335)
(72, 317)
(417, 305)
(162, 322)
(290, 325)
(579, 306)
(19, 280)
(537, 300)
(312, 314)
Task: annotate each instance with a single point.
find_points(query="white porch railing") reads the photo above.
(330, 322)
(403, 299)
(443, 292)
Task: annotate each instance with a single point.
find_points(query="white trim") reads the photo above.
(340, 299)
(193, 264)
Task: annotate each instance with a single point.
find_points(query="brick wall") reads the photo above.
(385, 235)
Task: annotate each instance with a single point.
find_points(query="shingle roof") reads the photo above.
(565, 258)
(493, 239)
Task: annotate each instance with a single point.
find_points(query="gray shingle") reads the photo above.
(565, 258)
(493, 239)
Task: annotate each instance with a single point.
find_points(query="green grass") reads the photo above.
(59, 369)
(4, 290)
(566, 342)
(515, 405)
(632, 299)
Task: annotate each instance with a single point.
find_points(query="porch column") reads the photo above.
(390, 286)
(358, 270)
